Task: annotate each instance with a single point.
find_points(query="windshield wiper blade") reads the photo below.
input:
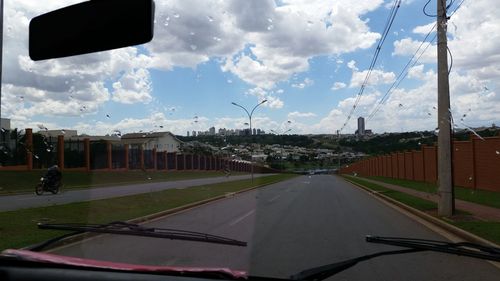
(461, 248)
(414, 245)
(124, 228)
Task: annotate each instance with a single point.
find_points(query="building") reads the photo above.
(5, 124)
(254, 131)
(187, 134)
(193, 134)
(361, 126)
(211, 131)
(62, 132)
(162, 141)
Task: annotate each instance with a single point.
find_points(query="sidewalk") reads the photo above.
(480, 211)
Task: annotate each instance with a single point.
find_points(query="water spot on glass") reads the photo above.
(216, 38)
(270, 27)
(270, 20)
(229, 81)
(3, 130)
(36, 156)
(176, 15)
(428, 113)
(470, 178)
(48, 150)
(456, 149)
(192, 33)
(436, 131)
(497, 152)
(107, 115)
(165, 23)
(210, 18)
(419, 143)
(66, 82)
(193, 47)
(150, 178)
(63, 132)
(400, 105)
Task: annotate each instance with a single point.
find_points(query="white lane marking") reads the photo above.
(242, 217)
(274, 198)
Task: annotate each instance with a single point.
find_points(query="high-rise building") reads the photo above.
(254, 131)
(361, 126)
(188, 133)
(211, 131)
(194, 133)
(259, 132)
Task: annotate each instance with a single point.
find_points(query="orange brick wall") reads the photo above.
(476, 164)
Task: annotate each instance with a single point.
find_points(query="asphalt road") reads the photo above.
(22, 201)
(291, 226)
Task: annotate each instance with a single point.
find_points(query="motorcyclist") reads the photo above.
(53, 176)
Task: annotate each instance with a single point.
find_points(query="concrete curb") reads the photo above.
(462, 234)
(150, 217)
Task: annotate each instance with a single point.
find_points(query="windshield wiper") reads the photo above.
(414, 245)
(124, 228)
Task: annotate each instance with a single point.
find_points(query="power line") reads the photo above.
(404, 72)
(396, 83)
(388, 25)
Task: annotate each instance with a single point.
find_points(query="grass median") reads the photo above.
(18, 228)
(485, 229)
(25, 181)
(483, 197)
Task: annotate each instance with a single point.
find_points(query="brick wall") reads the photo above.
(476, 164)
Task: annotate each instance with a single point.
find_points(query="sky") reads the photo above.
(308, 59)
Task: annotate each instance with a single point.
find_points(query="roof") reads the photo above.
(146, 136)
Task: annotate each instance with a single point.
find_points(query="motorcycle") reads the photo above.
(47, 185)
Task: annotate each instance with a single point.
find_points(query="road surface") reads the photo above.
(22, 201)
(291, 226)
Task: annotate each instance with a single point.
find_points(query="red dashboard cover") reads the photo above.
(63, 260)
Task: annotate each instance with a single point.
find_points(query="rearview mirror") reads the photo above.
(91, 26)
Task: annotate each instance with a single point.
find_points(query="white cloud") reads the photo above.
(133, 87)
(377, 77)
(261, 94)
(408, 47)
(297, 114)
(338, 86)
(307, 82)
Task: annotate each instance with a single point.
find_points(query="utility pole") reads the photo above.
(338, 153)
(445, 177)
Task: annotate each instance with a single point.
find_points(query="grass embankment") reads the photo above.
(484, 229)
(25, 181)
(483, 197)
(412, 201)
(18, 228)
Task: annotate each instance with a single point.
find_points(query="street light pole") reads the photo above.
(250, 125)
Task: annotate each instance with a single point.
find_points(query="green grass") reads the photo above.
(25, 181)
(18, 228)
(483, 197)
(487, 230)
(415, 202)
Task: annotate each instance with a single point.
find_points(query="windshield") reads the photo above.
(295, 128)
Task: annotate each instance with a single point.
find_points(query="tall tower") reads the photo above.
(361, 126)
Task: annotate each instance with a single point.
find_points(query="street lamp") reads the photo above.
(250, 125)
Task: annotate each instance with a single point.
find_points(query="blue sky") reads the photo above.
(207, 54)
